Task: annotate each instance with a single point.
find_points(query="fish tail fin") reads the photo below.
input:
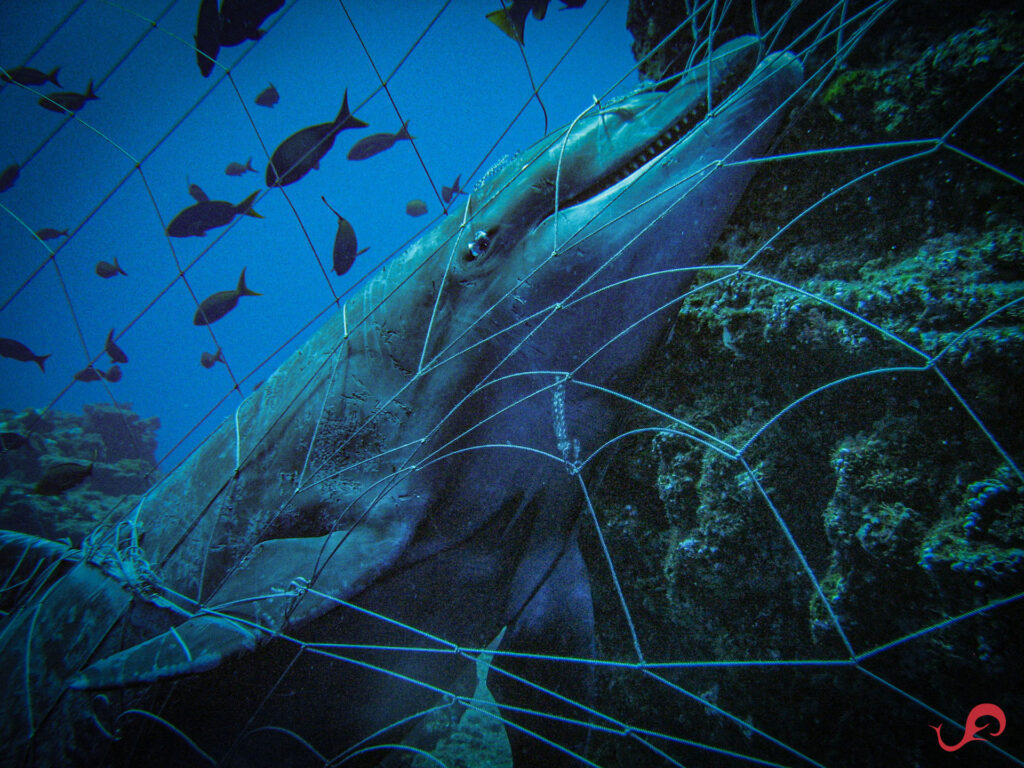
(220, 355)
(52, 77)
(330, 208)
(248, 166)
(90, 93)
(41, 361)
(346, 119)
(243, 289)
(118, 267)
(110, 338)
(403, 132)
(245, 207)
(505, 24)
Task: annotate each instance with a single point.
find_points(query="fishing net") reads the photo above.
(804, 534)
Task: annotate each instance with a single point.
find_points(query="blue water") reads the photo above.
(117, 173)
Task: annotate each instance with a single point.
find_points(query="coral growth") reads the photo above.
(119, 444)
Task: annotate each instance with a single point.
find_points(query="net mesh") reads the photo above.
(804, 535)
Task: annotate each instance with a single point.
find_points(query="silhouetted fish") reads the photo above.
(197, 193)
(208, 359)
(62, 477)
(195, 220)
(345, 248)
(117, 354)
(268, 97)
(448, 193)
(378, 142)
(512, 18)
(18, 351)
(240, 19)
(67, 101)
(237, 169)
(89, 373)
(49, 233)
(416, 207)
(9, 176)
(29, 76)
(113, 373)
(207, 36)
(105, 269)
(302, 151)
(214, 307)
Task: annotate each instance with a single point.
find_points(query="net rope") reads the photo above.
(631, 650)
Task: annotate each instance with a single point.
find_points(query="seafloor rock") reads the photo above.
(119, 444)
(126, 435)
(839, 363)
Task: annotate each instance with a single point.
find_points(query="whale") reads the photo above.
(408, 485)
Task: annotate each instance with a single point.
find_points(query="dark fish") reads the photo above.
(49, 233)
(416, 207)
(237, 169)
(240, 19)
(268, 97)
(219, 304)
(113, 373)
(195, 220)
(197, 193)
(9, 176)
(18, 351)
(208, 359)
(67, 101)
(302, 151)
(62, 477)
(207, 36)
(105, 269)
(345, 248)
(29, 76)
(512, 18)
(449, 193)
(116, 354)
(378, 142)
(88, 374)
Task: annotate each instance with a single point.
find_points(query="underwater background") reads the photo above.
(889, 227)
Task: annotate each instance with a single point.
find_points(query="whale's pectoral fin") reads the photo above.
(282, 584)
(199, 644)
(557, 621)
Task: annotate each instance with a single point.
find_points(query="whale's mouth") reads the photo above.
(668, 138)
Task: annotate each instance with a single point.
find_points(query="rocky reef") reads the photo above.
(118, 443)
(852, 395)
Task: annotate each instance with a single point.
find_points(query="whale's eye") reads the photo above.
(478, 245)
